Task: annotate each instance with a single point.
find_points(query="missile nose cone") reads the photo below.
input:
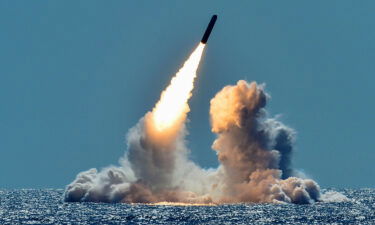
(209, 28)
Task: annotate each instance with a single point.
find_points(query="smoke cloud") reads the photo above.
(254, 152)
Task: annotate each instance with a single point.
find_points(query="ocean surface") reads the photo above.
(45, 206)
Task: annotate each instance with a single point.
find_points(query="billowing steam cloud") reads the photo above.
(254, 153)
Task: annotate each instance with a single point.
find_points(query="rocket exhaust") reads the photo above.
(209, 29)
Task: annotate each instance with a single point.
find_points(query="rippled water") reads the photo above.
(46, 207)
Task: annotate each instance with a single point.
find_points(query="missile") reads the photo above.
(207, 33)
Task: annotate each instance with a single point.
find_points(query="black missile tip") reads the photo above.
(209, 28)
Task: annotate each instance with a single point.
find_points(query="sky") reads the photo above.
(76, 75)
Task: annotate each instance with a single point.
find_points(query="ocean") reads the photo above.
(46, 206)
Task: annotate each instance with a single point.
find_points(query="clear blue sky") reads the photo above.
(76, 75)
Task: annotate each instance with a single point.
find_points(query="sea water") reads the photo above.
(46, 206)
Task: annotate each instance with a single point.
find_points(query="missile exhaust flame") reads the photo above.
(173, 101)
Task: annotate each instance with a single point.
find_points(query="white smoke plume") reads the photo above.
(254, 152)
